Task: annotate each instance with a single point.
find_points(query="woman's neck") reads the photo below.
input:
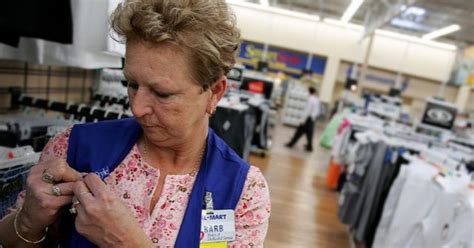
(182, 158)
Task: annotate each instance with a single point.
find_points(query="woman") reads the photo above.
(162, 168)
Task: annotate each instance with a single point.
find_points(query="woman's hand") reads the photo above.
(42, 204)
(103, 218)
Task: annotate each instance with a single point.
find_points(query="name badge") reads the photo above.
(217, 227)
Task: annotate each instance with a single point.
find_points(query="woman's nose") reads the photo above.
(140, 104)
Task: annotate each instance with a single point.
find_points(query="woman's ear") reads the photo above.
(217, 92)
(219, 88)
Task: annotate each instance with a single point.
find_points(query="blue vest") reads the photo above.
(100, 147)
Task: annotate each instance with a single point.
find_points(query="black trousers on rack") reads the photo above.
(305, 128)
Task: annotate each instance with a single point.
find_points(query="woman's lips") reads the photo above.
(151, 125)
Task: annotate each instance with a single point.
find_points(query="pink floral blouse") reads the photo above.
(134, 181)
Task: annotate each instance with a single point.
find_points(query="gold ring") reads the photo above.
(73, 210)
(47, 178)
(75, 203)
(56, 190)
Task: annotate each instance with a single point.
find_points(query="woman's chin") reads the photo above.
(153, 129)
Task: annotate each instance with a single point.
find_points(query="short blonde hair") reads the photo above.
(206, 30)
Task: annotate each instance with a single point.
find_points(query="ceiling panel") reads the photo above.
(439, 13)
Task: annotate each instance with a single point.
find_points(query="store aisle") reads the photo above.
(303, 210)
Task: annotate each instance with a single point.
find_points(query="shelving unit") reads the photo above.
(295, 102)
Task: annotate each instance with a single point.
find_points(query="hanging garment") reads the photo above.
(449, 223)
(331, 130)
(369, 191)
(236, 127)
(360, 155)
(414, 200)
(390, 173)
(333, 174)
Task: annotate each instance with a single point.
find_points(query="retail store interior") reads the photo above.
(391, 163)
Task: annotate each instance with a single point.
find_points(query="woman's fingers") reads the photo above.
(61, 201)
(48, 205)
(82, 193)
(97, 187)
(59, 189)
(56, 170)
(49, 187)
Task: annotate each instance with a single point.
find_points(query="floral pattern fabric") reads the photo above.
(134, 181)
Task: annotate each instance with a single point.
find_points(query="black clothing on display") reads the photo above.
(262, 130)
(235, 127)
(390, 173)
(49, 20)
(306, 128)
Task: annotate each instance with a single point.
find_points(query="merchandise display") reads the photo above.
(375, 159)
(14, 166)
(235, 123)
(295, 102)
(439, 114)
(258, 85)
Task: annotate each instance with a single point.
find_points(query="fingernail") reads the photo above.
(83, 175)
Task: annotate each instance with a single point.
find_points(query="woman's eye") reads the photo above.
(162, 95)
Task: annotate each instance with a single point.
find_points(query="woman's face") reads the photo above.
(165, 100)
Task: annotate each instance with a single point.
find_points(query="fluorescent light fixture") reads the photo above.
(264, 3)
(441, 32)
(351, 10)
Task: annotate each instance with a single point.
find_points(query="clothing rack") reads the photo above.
(31, 128)
(80, 111)
(105, 99)
(15, 164)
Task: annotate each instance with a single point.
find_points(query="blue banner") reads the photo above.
(281, 59)
(251, 51)
(318, 65)
(285, 59)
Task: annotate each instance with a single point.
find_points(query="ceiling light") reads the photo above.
(353, 87)
(440, 32)
(351, 10)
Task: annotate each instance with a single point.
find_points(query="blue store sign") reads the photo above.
(281, 59)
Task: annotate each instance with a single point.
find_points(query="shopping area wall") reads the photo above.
(63, 84)
(415, 90)
(397, 53)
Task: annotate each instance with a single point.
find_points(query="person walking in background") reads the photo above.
(308, 119)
